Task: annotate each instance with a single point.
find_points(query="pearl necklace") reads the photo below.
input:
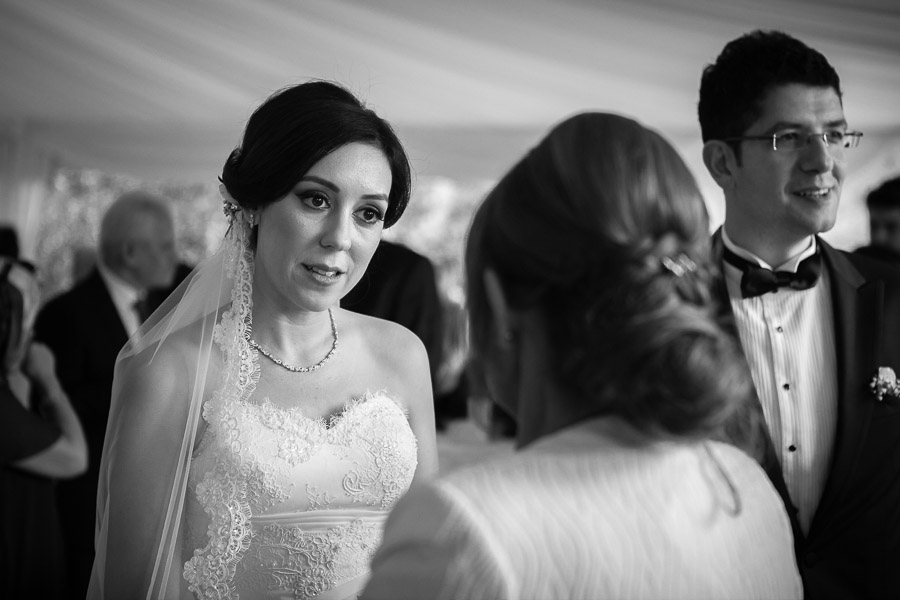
(255, 345)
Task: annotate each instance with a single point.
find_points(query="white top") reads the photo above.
(580, 514)
(788, 339)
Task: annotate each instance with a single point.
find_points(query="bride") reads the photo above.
(259, 434)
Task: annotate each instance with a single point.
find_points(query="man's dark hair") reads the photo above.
(734, 87)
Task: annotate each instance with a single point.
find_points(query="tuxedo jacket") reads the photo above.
(852, 548)
(85, 333)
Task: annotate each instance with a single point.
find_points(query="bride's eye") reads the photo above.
(370, 215)
(316, 200)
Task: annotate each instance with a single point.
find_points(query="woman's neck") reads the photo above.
(545, 405)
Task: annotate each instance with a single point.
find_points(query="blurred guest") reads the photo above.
(84, 261)
(9, 246)
(454, 394)
(40, 440)
(85, 328)
(884, 222)
(9, 241)
(157, 295)
(816, 325)
(593, 322)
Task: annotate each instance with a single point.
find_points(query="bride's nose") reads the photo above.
(337, 232)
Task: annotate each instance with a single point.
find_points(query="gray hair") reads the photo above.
(123, 222)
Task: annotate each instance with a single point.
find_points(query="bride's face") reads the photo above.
(314, 244)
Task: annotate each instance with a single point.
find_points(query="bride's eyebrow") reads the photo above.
(323, 182)
(333, 187)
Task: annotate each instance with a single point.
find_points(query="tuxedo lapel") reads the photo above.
(747, 429)
(858, 308)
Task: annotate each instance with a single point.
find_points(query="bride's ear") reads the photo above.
(502, 315)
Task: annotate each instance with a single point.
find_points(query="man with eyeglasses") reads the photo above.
(815, 323)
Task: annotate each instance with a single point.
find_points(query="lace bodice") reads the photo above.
(288, 506)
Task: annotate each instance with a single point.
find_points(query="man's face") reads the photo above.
(884, 225)
(783, 195)
(153, 258)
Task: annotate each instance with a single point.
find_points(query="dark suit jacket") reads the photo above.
(84, 331)
(880, 253)
(852, 549)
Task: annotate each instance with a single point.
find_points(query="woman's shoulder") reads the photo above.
(378, 330)
(387, 356)
(386, 340)
(173, 359)
(750, 480)
(735, 460)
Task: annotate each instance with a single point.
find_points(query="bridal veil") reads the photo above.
(192, 350)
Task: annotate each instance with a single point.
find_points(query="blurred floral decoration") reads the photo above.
(70, 222)
(435, 225)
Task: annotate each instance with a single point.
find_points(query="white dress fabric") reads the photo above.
(582, 515)
(284, 506)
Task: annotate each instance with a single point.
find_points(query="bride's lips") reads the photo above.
(324, 274)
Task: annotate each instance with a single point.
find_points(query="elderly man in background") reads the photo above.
(85, 328)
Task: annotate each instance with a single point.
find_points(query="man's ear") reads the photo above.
(721, 163)
(501, 313)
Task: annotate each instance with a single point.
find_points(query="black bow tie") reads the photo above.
(757, 281)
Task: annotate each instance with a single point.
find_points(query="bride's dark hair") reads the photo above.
(602, 228)
(297, 127)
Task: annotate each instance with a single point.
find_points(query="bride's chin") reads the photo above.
(318, 303)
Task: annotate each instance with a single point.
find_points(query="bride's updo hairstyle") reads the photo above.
(601, 228)
(297, 127)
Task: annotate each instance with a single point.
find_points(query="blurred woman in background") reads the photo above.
(40, 440)
(593, 323)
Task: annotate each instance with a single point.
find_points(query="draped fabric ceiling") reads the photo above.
(162, 89)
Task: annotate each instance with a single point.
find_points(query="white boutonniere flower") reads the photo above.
(885, 384)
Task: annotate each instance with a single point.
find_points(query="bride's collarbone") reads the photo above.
(316, 395)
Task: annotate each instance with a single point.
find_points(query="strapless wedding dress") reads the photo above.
(283, 506)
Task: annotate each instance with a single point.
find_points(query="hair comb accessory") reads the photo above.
(679, 265)
(230, 207)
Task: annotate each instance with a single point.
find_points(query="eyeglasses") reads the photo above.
(796, 140)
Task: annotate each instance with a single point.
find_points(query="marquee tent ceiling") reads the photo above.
(161, 89)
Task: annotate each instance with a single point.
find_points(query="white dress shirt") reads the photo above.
(788, 339)
(124, 296)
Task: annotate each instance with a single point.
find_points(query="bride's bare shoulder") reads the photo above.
(384, 337)
(176, 359)
(396, 357)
